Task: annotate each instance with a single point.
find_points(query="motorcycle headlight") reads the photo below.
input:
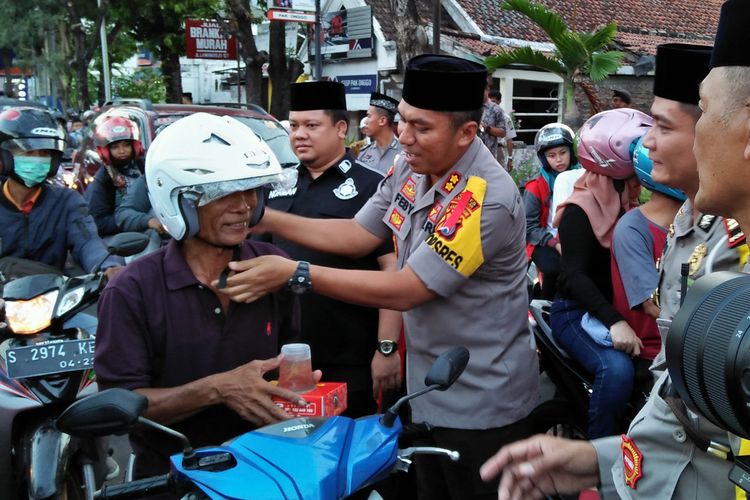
(70, 179)
(31, 316)
(70, 300)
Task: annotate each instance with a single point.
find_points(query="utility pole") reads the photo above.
(318, 54)
(105, 56)
(436, 26)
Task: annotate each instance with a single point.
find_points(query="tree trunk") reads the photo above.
(170, 68)
(254, 60)
(253, 81)
(81, 66)
(279, 70)
(571, 116)
(592, 95)
(410, 36)
(7, 62)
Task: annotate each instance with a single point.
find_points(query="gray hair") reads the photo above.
(738, 91)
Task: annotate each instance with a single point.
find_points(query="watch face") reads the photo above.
(386, 347)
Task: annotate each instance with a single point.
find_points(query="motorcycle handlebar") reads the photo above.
(138, 488)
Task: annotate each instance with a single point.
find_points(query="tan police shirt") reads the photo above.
(464, 237)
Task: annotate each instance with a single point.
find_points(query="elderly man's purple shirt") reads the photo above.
(160, 327)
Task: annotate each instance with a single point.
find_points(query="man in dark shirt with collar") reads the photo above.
(164, 330)
(345, 339)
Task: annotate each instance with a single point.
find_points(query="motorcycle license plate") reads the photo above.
(46, 359)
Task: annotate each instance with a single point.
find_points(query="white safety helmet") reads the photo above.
(202, 158)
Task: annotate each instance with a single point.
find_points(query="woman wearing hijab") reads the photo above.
(583, 319)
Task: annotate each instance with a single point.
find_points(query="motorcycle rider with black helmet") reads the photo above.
(38, 221)
(555, 147)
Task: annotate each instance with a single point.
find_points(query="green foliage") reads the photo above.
(577, 55)
(144, 84)
(525, 55)
(603, 64)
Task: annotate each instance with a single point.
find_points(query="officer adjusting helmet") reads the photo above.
(643, 165)
(607, 140)
(114, 129)
(200, 159)
(551, 136)
(24, 130)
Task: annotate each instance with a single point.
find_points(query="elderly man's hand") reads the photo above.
(111, 272)
(246, 392)
(542, 465)
(255, 278)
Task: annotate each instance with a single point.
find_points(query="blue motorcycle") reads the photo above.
(325, 458)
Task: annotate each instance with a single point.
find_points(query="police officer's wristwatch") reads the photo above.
(300, 281)
(387, 347)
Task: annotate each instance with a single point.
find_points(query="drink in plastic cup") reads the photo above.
(295, 372)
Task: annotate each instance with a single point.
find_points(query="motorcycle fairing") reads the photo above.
(332, 458)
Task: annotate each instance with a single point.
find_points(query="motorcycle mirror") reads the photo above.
(126, 244)
(443, 372)
(447, 368)
(113, 411)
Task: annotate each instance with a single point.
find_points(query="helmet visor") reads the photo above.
(34, 144)
(206, 193)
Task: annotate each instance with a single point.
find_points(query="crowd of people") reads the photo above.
(382, 258)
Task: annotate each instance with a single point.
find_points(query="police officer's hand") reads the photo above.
(386, 373)
(255, 278)
(246, 392)
(542, 465)
(153, 223)
(625, 339)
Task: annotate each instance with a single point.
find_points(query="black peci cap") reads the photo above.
(732, 35)
(385, 102)
(317, 95)
(444, 83)
(680, 69)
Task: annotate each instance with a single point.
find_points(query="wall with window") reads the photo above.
(533, 97)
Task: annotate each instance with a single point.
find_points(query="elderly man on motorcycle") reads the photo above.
(164, 329)
(40, 222)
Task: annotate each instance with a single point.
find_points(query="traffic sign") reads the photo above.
(291, 16)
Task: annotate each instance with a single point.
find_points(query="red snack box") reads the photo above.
(326, 400)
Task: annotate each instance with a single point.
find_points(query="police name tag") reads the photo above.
(54, 357)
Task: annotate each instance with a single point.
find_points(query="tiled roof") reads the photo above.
(642, 24)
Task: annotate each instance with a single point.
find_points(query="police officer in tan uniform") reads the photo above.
(459, 226)
(380, 154)
(668, 452)
(695, 241)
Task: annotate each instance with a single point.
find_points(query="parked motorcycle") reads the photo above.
(45, 364)
(566, 414)
(325, 458)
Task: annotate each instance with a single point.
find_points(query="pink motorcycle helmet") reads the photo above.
(607, 140)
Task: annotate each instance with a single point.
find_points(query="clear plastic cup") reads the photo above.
(295, 372)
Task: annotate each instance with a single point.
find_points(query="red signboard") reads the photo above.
(204, 39)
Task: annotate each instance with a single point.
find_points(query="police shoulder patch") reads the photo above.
(734, 233)
(457, 238)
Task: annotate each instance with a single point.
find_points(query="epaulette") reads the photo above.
(706, 222)
(734, 233)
